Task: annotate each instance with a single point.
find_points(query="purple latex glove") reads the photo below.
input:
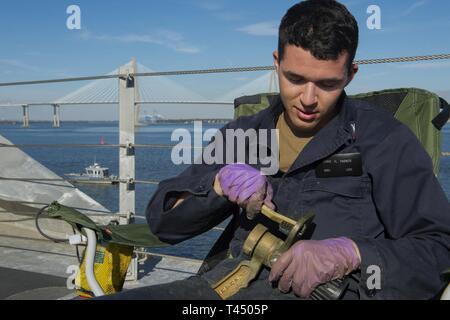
(246, 186)
(310, 263)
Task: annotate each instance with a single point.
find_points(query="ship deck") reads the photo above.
(33, 268)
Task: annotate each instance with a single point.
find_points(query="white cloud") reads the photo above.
(414, 7)
(269, 28)
(17, 64)
(219, 9)
(166, 38)
(14, 66)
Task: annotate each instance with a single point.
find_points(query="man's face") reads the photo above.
(310, 88)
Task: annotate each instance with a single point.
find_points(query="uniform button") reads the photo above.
(201, 188)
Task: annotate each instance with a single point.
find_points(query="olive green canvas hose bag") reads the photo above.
(137, 235)
(422, 111)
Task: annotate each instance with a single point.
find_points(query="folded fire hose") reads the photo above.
(114, 244)
(112, 249)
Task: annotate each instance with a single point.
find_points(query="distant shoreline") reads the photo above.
(185, 121)
(116, 121)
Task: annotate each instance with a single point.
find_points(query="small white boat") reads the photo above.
(94, 173)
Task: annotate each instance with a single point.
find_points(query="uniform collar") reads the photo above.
(337, 133)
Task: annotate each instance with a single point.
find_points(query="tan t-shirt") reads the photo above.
(290, 144)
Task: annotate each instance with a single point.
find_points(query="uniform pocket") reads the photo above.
(337, 203)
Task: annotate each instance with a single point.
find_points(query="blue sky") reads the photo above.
(195, 34)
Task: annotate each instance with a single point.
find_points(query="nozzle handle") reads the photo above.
(275, 216)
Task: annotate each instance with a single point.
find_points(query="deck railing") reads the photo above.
(128, 101)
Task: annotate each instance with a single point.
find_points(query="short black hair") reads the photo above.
(325, 28)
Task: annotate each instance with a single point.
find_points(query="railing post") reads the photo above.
(56, 121)
(137, 95)
(126, 156)
(26, 116)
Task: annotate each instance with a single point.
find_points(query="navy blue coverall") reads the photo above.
(396, 211)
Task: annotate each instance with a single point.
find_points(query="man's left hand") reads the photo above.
(309, 263)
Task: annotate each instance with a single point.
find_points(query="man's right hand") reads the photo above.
(245, 186)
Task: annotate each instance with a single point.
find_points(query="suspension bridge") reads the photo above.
(155, 90)
(150, 86)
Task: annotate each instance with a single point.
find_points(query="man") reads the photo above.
(392, 216)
